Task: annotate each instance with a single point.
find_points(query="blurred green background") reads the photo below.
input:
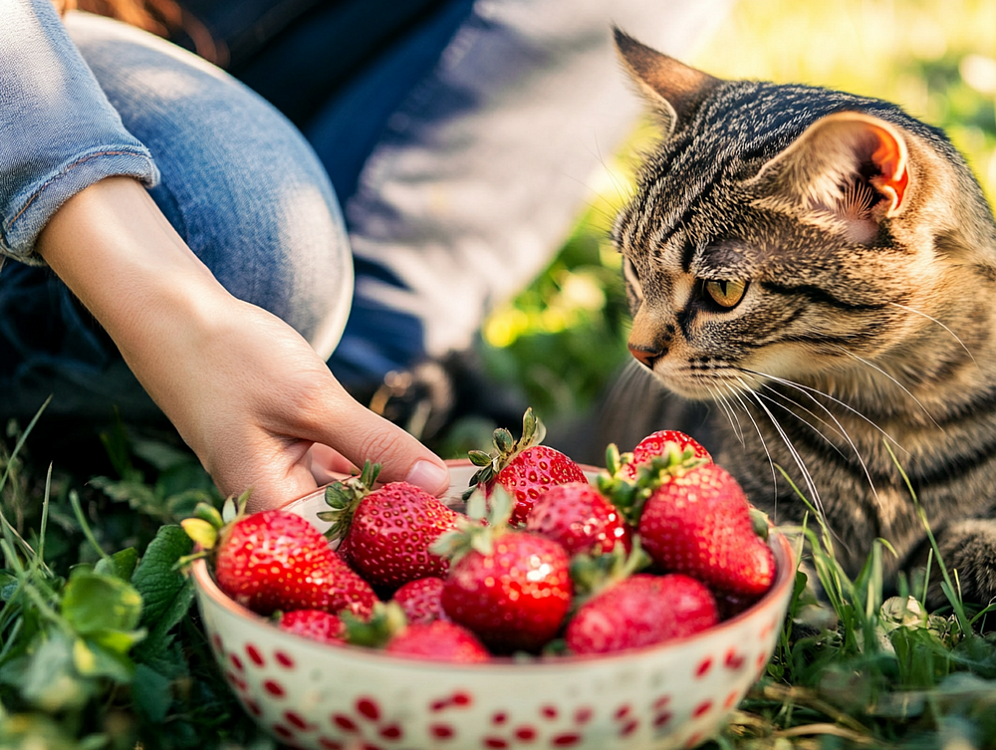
(562, 339)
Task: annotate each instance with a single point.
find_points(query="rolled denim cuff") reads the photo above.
(60, 133)
(32, 207)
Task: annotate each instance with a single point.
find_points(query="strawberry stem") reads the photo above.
(343, 498)
(505, 449)
(592, 574)
(386, 620)
(630, 495)
(487, 517)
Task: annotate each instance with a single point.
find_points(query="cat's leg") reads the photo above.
(968, 550)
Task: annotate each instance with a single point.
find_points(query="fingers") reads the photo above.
(328, 465)
(360, 435)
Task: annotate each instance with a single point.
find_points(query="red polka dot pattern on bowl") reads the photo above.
(324, 697)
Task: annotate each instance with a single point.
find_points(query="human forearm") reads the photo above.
(244, 390)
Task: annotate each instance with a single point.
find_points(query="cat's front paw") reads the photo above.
(968, 549)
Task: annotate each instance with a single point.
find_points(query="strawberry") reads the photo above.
(641, 610)
(439, 640)
(385, 533)
(658, 444)
(276, 560)
(421, 599)
(524, 467)
(698, 522)
(580, 518)
(511, 588)
(387, 628)
(314, 624)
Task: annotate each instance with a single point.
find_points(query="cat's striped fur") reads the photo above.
(820, 270)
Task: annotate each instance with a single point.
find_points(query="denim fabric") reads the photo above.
(59, 132)
(237, 181)
(478, 175)
(464, 152)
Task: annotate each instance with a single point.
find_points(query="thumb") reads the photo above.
(361, 435)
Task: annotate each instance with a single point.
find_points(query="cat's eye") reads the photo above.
(726, 292)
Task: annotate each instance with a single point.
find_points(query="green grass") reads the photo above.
(856, 670)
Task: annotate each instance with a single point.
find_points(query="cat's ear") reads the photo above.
(852, 165)
(672, 88)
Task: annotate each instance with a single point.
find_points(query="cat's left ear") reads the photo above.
(673, 89)
(849, 163)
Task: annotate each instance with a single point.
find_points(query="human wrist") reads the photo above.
(119, 255)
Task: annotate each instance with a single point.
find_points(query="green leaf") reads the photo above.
(503, 440)
(156, 578)
(92, 602)
(160, 637)
(151, 692)
(120, 564)
(200, 532)
(49, 679)
(479, 458)
(207, 512)
(230, 510)
(92, 659)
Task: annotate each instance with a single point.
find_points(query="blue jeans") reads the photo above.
(459, 157)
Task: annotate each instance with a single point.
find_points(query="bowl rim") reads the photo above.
(785, 560)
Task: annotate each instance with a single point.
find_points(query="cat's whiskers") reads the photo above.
(840, 430)
(807, 477)
(736, 392)
(734, 420)
(809, 391)
(875, 367)
(939, 323)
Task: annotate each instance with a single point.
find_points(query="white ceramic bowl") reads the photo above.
(322, 697)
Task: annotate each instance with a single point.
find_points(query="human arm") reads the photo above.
(244, 390)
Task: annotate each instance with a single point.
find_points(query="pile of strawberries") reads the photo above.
(662, 546)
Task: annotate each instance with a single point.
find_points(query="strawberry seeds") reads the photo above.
(541, 563)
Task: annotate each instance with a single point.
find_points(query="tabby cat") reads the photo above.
(812, 277)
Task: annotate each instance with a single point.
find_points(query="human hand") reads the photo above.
(261, 410)
(247, 393)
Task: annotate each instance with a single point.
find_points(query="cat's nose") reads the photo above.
(646, 355)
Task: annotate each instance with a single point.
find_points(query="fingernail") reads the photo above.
(429, 476)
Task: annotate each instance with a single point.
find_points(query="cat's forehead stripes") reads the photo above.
(690, 183)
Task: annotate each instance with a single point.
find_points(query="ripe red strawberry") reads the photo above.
(276, 560)
(698, 522)
(580, 518)
(421, 599)
(640, 611)
(658, 444)
(532, 472)
(511, 588)
(524, 467)
(314, 624)
(386, 533)
(439, 640)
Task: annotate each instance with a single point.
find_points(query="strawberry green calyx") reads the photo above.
(487, 517)
(629, 495)
(506, 448)
(207, 523)
(386, 620)
(343, 497)
(592, 574)
(760, 521)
